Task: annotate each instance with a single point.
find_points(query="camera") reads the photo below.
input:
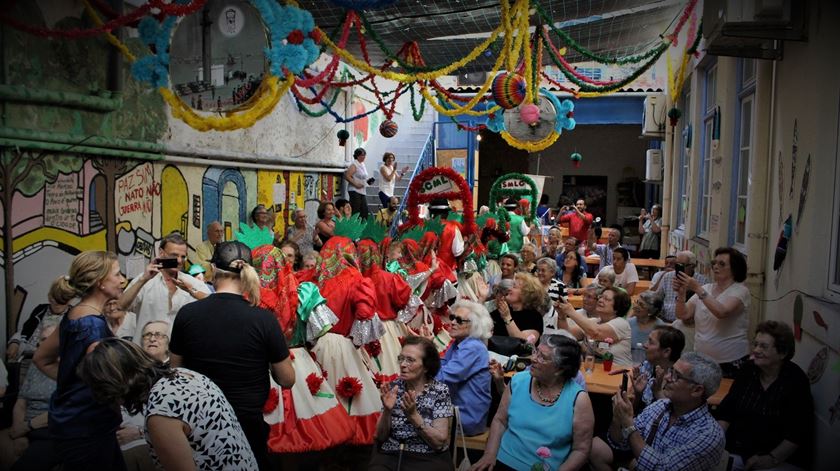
(679, 268)
(167, 262)
(370, 180)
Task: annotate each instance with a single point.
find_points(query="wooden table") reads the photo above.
(600, 382)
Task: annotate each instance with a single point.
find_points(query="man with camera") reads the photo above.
(163, 288)
(686, 261)
(578, 219)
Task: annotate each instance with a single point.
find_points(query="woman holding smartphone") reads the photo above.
(390, 176)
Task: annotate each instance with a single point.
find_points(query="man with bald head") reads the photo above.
(204, 251)
(686, 261)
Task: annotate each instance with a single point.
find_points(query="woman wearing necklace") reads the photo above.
(542, 407)
(83, 429)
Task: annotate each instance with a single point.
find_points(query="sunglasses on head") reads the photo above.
(458, 320)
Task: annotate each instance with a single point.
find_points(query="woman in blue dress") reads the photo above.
(83, 429)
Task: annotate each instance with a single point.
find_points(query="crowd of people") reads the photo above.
(337, 334)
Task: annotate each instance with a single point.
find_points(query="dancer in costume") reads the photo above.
(392, 295)
(352, 297)
(313, 419)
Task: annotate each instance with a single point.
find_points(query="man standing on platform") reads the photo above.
(204, 251)
(579, 220)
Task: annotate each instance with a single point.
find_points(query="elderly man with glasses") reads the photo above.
(677, 432)
(687, 262)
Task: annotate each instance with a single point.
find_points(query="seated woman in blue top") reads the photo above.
(465, 367)
(83, 429)
(543, 407)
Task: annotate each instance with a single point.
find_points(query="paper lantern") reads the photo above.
(388, 128)
(508, 90)
(529, 114)
(342, 135)
(576, 158)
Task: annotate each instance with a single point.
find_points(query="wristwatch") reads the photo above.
(508, 322)
(627, 431)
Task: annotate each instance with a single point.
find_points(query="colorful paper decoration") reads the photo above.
(508, 90)
(342, 136)
(388, 128)
(576, 158)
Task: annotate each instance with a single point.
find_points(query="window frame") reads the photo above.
(704, 162)
(832, 289)
(745, 93)
(684, 162)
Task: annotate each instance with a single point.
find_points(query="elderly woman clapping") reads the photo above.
(543, 407)
(464, 368)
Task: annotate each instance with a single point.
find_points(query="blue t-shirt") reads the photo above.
(532, 425)
(74, 413)
(465, 369)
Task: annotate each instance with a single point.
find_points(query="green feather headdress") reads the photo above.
(351, 227)
(374, 230)
(254, 236)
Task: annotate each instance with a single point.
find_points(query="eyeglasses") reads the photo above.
(762, 346)
(458, 320)
(404, 359)
(676, 376)
(154, 335)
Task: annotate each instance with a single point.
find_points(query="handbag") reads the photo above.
(507, 346)
(459, 429)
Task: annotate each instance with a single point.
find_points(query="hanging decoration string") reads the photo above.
(166, 9)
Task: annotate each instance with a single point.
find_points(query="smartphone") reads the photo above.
(624, 381)
(370, 180)
(679, 268)
(167, 262)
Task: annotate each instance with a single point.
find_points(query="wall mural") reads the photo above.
(75, 204)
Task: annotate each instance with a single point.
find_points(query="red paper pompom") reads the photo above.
(272, 401)
(348, 387)
(313, 382)
(295, 37)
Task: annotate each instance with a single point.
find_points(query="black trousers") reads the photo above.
(85, 454)
(256, 431)
(358, 202)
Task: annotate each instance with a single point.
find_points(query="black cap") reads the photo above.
(228, 252)
(439, 204)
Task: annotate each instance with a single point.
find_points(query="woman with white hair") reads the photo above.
(465, 367)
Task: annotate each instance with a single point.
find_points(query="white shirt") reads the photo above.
(152, 302)
(386, 186)
(360, 175)
(128, 326)
(724, 340)
(621, 342)
(629, 275)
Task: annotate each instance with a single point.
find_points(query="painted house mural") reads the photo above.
(127, 206)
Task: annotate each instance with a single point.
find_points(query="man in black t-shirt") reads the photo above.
(235, 344)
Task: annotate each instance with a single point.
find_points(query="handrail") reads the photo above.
(426, 160)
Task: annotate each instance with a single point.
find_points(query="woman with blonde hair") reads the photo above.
(518, 313)
(82, 428)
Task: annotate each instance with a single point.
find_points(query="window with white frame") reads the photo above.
(742, 153)
(704, 208)
(685, 149)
